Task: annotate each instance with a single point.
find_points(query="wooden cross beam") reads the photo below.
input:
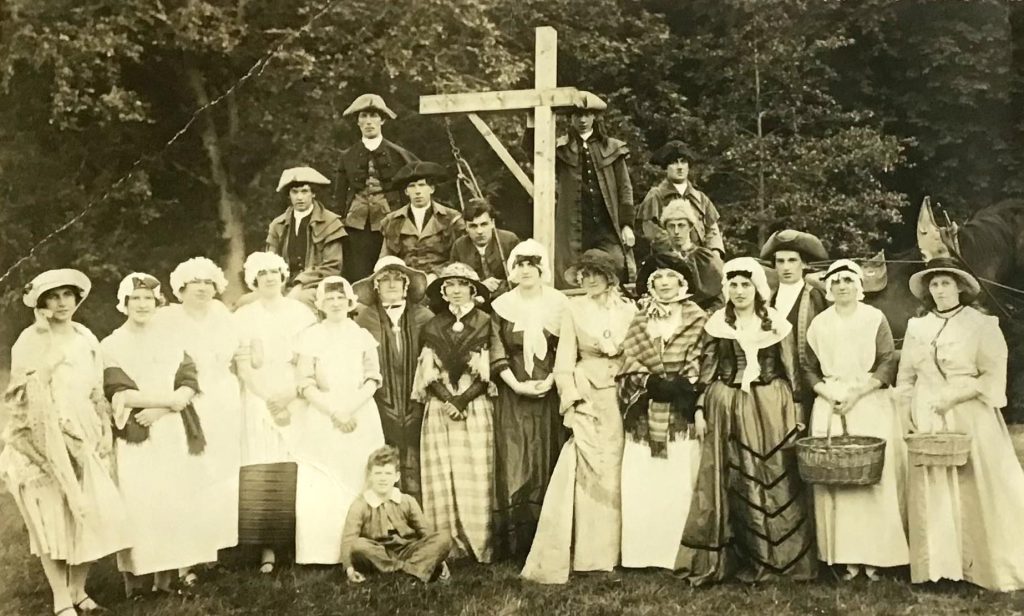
(544, 98)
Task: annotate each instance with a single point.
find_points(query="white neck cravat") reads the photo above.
(373, 144)
(786, 298)
(419, 214)
(681, 188)
(299, 216)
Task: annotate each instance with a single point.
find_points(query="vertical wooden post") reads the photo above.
(546, 76)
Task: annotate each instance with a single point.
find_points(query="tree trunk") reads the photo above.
(230, 207)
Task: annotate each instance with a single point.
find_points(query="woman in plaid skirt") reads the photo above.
(457, 442)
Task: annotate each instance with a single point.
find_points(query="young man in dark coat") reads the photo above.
(307, 235)
(364, 175)
(675, 157)
(796, 298)
(485, 247)
(594, 205)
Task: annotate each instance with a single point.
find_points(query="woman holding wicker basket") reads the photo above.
(851, 359)
(964, 514)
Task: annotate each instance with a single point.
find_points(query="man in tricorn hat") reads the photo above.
(363, 180)
(675, 157)
(701, 266)
(307, 234)
(594, 207)
(422, 232)
(791, 251)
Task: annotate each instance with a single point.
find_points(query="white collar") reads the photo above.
(374, 500)
(373, 144)
(787, 296)
(298, 216)
(586, 136)
(481, 249)
(461, 311)
(681, 188)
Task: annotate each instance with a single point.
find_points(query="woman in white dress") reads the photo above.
(56, 457)
(964, 521)
(657, 394)
(159, 443)
(206, 328)
(852, 360)
(270, 328)
(580, 526)
(338, 371)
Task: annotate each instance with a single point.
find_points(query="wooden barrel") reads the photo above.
(266, 504)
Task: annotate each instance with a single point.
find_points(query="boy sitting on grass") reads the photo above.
(385, 529)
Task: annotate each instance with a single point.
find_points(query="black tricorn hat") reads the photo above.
(418, 170)
(671, 152)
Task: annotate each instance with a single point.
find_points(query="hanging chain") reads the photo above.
(464, 173)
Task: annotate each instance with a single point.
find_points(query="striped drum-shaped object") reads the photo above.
(266, 504)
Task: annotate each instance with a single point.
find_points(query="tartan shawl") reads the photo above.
(644, 356)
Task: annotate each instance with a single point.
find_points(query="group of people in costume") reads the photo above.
(450, 402)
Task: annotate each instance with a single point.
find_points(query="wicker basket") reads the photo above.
(840, 460)
(938, 448)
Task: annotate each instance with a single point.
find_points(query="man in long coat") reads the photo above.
(675, 157)
(594, 205)
(363, 179)
(422, 232)
(307, 235)
(393, 314)
(796, 298)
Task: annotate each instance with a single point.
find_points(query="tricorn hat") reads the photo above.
(588, 102)
(919, 286)
(301, 175)
(367, 102)
(418, 170)
(456, 271)
(597, 260)
(671, 152)
(54, 279)
(809, 246)
(367, 294)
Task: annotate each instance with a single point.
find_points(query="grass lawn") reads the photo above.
(481, 590)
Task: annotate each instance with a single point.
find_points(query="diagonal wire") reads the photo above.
(255, 70)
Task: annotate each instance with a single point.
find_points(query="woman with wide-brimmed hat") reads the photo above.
(657, 394)
(270, 329)
(212, 339)
(851, 361)
(56, 462)
(964, 520)
(393, 313)
(750, 516)
(160, 443)
(453, 381)
(527, 425)
(580, 522)
(338, 373)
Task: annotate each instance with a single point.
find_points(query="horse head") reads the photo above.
(934, 240)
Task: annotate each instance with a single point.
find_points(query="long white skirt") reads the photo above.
(331, 474)
(656, 494)
(158, 479)
(219, 406)
(864, 525)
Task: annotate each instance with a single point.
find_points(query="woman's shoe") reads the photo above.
(872, 573)
(88, 606)
(267, 567)
(852, 571)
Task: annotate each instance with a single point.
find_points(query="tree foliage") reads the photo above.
(856, 109)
